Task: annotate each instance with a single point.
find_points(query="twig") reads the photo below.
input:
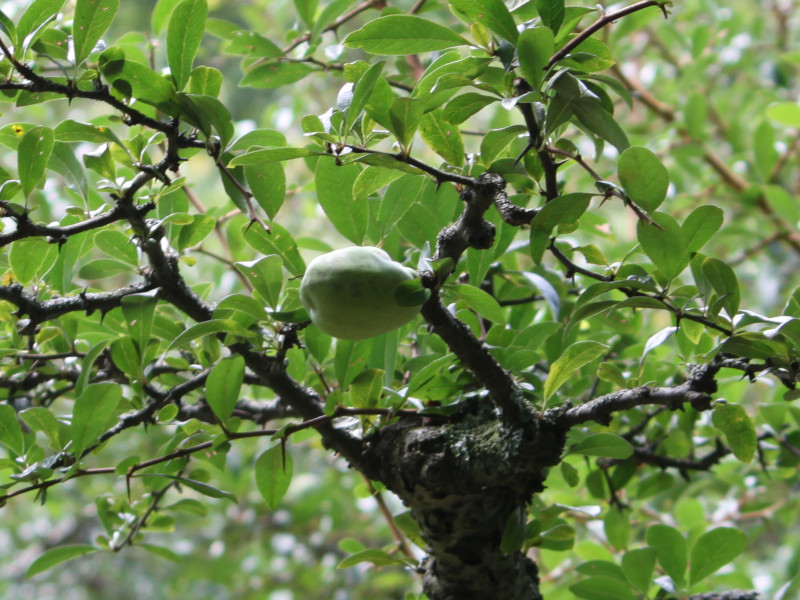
(599, 24)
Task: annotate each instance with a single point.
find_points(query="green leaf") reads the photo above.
(399, 197)
(362, 91)
(42, 419)
(185, 30)
(266, 276)
(136, 80)
(268, 155)
(118, 245)
(378, 558)
(443, 138)
(602, 588)
(195, 232)
(590, 56)
(715, 549)
(205, 328)
(785, 113)
(307, 10)
(10, 431)
(460, 108)
(37, 14)
(33, 154)
(493, 14)
(701, 225)
(403, 34)
(654, 484)
(208, 114)
(278, 241)
(31, 257)
(102, 268)
(405, 115)
(594, 117)
(638, 567)
(205, 81)
(372, 179)
(273, 472)
(92, 19)
(570, 474)
(223, 385)
(617, 525)
(126, 357)
(664, 244)
(723, 279)
(481, 302)
(644, 178)
(139, 310)
(604, 444)
(276, 73)
(56, 556)
(514, 532)
(695, 114)
(572, 359)
(411, 293)
(335, 194)
(535, 47)
(92, 411)
(671, 550)
(551, 12)
(738, 428)
(564, 210)
(365, 389)
(198, 486)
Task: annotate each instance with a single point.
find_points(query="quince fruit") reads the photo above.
(350, 293)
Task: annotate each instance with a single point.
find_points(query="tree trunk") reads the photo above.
(462, 481)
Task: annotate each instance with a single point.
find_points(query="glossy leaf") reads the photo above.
(222, 386)
(493, 14)
(56, 556)
(403, 34)
(481, 302)
(715, 549)
(602, 588)
(664, 244)
(535, 47)
(725, 283)
(604, 444)
(671, 550)
(638, 566)
(266, 276)
(185, 30)
(572, 359)
(643, 176)
(738, 428)
(551, 12)
(273, 472)
(347, 214)
(443, 138)
(30, 258)
(278, 241)
(10, 431)
(92, 19)
(92, 413)
(33, 154)
(701, 225)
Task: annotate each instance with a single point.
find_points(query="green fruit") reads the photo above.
(350, 293)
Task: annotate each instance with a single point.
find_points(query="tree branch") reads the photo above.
(604, 20)
(600, 410)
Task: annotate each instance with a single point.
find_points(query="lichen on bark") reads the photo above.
(461, 482)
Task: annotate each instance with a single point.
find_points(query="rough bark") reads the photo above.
(462, 482)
